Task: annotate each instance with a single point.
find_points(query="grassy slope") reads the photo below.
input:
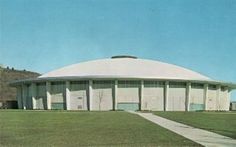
(28, 128)
(219, 122)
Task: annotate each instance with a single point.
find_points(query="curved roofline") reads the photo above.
(39, 80)
(127, 57)
(117, 77)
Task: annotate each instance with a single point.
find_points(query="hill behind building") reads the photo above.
(8, 93)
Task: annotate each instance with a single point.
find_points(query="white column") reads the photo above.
(90, 95)
(48, 90)
(68, 95)
(166, 96)
(24, 95)
(115, 94)
(228, 97)
(218, 89)
(33, 88)
(141, 95)
(188, 96)
(206, 96)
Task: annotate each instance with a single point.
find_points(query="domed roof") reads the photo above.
(125, 67)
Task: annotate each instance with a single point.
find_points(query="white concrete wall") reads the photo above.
(102, 95)
(79, 95)
(128, 93)
(197, 94)
(177, 97)
(212, 98)
(233, 107)
(153, 96)
(197, 97)
(224, 100)
(57, 92)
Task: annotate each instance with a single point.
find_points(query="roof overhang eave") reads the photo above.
(70, 78)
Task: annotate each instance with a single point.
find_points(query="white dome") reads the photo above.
(125, 67)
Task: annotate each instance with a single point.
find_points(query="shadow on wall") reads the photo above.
(8, 105)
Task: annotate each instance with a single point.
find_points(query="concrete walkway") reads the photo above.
(200, 136)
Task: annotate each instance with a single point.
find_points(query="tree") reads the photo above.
(100, 96)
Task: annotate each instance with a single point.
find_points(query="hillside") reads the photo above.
(7, 75)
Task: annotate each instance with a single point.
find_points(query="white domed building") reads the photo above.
(123, 83)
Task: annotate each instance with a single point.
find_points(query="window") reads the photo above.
(41, 89)
(177, 85)
(128, 84)
(57, 87)
(197, 85)
(153, 84)
(102, 84)
(212, 87)
(224, 88)
(78, 85)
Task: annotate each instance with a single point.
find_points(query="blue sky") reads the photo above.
(42, 35)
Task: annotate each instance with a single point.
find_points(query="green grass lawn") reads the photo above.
(219, 122)
(60, 128)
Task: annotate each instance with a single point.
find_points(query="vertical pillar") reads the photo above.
(218, 89)
(205, 96)
(188, 96)
(90, 95)
(228, 98)
(19, 97)
(166, 95)
(24, 95)
(33, 88)
(115, 95)
(68, 95)
(141, 95)
(48, 90)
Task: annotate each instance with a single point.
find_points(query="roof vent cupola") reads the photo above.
(123, 56)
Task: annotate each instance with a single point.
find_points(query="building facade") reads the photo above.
(123, 83)
(233, 106)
